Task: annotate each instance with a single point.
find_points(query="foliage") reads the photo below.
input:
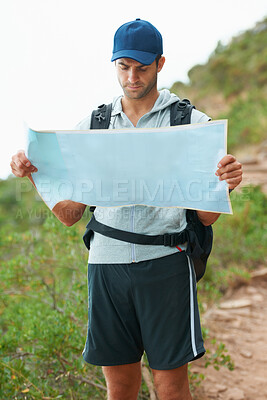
(43, 287)
(247, 118)
(219, 357)
(20, 205)
(236, 75)
(44, 314)
(239, 242)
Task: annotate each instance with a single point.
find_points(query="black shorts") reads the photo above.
(148, 306)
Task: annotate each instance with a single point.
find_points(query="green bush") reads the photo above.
(239, 242)
(44, 315)
(43, 304)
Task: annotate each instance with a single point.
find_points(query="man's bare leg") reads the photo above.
(172, 384)
(123, 381)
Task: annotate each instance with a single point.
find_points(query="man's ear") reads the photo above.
(161, 63)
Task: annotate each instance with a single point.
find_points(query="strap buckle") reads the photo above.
(173, 239)
(170, 239)
(100, 117)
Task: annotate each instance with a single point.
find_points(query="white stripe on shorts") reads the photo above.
(192, 314)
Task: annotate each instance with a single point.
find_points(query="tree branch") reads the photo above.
(149, 382)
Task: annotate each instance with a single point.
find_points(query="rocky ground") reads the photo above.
(254, 160)
(240, 320)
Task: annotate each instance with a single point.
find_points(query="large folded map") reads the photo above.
(162, 167)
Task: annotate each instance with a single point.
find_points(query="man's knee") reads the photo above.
(172, 384)
(123, 381)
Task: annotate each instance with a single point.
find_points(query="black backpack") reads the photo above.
(199, 238)
(180, 114)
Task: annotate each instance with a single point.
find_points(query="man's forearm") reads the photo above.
(207, 218)
(68, 212)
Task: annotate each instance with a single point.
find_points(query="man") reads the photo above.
(141, 297)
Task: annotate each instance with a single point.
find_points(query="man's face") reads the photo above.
(136, 79)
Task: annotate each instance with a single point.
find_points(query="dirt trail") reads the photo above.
(240, 320)
(254, 160)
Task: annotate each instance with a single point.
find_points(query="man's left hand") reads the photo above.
(229, 170)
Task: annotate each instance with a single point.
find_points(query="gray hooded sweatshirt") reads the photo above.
(138, 218)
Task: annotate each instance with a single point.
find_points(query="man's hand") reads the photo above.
(230, 170)
(21, 166)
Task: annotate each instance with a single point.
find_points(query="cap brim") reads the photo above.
(140, 56)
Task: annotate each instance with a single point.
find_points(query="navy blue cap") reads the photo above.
(138, 40)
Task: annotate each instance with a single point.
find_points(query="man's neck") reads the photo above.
(136, 108)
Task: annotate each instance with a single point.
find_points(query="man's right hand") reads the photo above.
(21, 166)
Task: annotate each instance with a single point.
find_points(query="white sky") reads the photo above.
(55, 54)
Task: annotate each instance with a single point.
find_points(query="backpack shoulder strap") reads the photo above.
(181, 112)
(100, 118)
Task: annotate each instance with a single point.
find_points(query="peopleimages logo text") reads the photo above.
(124, 191)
